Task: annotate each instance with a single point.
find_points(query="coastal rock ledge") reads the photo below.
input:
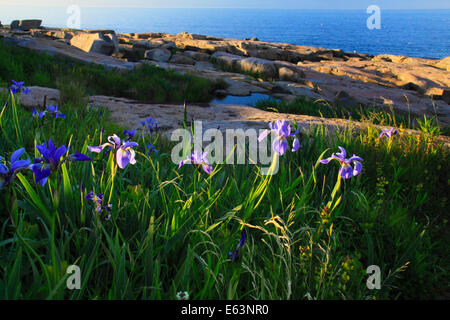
(284, 71)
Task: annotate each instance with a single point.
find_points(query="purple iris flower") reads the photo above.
(53, 110)
(199, 161)
(124, 155)
(51, 159)
(151, 124)
(6, 175)
(388, 133)
(98, 199)
(283, 130)
(235, 254)
(347, 171)
(36, 113)
(150, 147)
(129, 133)
(18, 86)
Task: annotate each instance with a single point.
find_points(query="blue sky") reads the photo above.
(288, 4)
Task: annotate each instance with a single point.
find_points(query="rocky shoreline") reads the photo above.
(284, 71)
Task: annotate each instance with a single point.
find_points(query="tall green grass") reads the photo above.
(370, 114)
(146, 83)
(171, 230)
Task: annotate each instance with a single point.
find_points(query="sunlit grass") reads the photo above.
(74, 79)
(171, 230)
(371, 114)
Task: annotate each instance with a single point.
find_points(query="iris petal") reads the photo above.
(132, 156)
(280, 146)
(355, 158)
(20, 164)
(79, 157)
(123, 158)
(346, 172)
(263, 135)
(115, 140)
(3, 169)
(44, 151)
(51, 146)
(17, 154)
(129, 144)
(296, 145)
(243, 238)
(41, 173)
(358, 168)
(98, 149)
(342, 154)
(326, 161)
(89, 196)
(58, 154)
(207, 168)
(181, 164)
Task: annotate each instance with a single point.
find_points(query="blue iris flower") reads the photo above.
(283, 131)
(16, 164)
(388, 133)
(151, 124)
(51, 160)
(346, 171)
(199, 160)
(125, 154)
(54, 112)
(235, 254)
(129, 133)
(36, 113)
(98, 199)
(151, 148)
(18, 86)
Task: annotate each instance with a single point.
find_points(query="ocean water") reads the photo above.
(250, 100)
(419, 33)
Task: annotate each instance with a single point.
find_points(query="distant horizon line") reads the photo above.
(246, 8)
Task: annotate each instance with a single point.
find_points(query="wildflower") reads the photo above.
(346, 171)
(388, 133)
(36, 113)
(18, 86)
(6, 175)
(98, 199)
(151, 124)
(150, 147)
(53, 110)
(129, 133)
(51, 159)
(124, 154)
(235, 254)
(283, 131)
(183, 295)
(199, 161)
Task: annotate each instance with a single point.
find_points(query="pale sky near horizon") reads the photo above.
(257, 4)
